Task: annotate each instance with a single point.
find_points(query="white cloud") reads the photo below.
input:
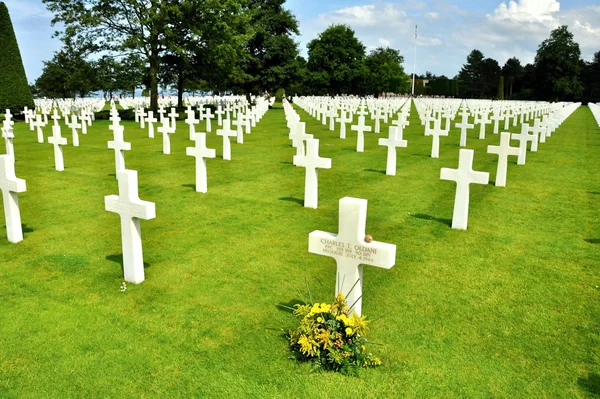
(432, 16)
(365, 15)
(384, 42)
(528, 10)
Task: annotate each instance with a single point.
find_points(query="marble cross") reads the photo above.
(312, 162)
(192, 121)
(464, 176)
(394, 140)
(55, 116)
(298, 137)
(200, 152)
(58, 141)
(436, 133)
(120, 146)
(503, 151)
(226, 133)
(219, 112)
(10, 185)
(208, 114)
(74, 125)
(142, 118)
(239, 124)
(361, 128)
(497, 117)
(39, 124)
(131, 209)
(463, 126)
(173, 115)
(8, 134)
(351, 248)
(166, 130)
(151, 120)
(483, 122)
(342, 120)
(524, 137)
(540, 130)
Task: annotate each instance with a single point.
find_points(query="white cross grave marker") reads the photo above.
(523, 138)
(239, 125)
(10, 185)
(503, 151)
(131, 209)
(394, 140)
(74, 125)
(166, 130)
(361, 128)
(351, 251)
(151, 120)
(464, 176)
(436, 133)
(463, 126)
(58, 141)
(343, 119)
(120, 146)
(226, 133)
(208, 114)
(39, 124)
(8, 134)
(312, 161)
(192, 121)
(200, 152)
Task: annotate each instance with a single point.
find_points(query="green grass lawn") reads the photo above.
(507, 309)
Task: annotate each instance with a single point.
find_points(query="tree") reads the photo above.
(15, 93)
(470, 74)
(490, 75)
(147, 27)
(512, 71)
(336, 61)
(500, 95)
(590, 77)
(270, 63)
(557, 66)
(68, 74)
(386, 74)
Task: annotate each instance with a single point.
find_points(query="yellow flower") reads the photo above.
(320, 319)
(307, 345)
(348, 331)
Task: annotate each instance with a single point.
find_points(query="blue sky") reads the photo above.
(448, 30)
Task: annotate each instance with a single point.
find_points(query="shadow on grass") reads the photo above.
(590, 384)
(594, 192)
(292, 199)
(375, 171)
(592, 240)
(118, 258)
(447, 222)
(422, 155)
(288, 307)
(24, 228)
(287, 163)
(192, 186)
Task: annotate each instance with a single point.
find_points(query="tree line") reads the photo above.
(557, 73)
(240, 46)
(248, 46)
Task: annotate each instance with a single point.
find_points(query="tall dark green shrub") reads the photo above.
(15, 93)
(500, 95)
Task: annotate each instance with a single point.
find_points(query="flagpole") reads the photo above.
(414, 62)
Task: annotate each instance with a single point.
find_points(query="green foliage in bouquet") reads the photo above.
(331, 338)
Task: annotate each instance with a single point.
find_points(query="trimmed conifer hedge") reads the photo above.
(15, 93)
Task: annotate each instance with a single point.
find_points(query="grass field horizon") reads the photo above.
(506, 309)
